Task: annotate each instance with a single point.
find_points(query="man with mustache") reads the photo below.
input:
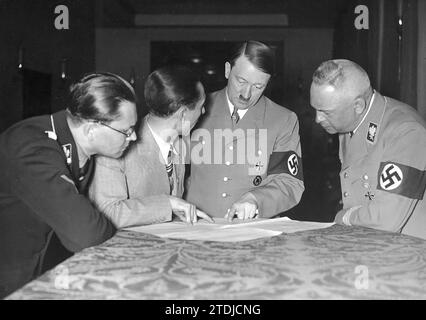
(46, 163)
(257, 171)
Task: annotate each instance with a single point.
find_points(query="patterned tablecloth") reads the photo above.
(333, 263)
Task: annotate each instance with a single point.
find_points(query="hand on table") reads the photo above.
(245, 208)
(186, 211)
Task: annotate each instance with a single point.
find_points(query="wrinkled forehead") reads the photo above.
(327, 98)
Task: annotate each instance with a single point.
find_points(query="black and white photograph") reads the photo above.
(213, 155)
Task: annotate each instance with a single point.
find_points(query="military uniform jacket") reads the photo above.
(383, 169)
(134, 189)
(260, 155)
(41, 193)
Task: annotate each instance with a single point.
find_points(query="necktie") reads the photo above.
(169, 169)
(235, 116)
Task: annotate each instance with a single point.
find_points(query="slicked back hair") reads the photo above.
(97, 96)
(258, 53)
(169, 88)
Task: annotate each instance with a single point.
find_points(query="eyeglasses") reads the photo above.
(127, 133)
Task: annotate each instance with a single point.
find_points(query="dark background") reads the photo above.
(105, 36)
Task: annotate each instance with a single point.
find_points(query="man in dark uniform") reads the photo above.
(45, 166)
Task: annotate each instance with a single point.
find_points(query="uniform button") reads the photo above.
(224, 195)
(231, 147)
(345, 194)
(228, 163)
(203, 142)
(225, 179)
(345, 175)
(366, 185)
(365, 177)
(259, 152)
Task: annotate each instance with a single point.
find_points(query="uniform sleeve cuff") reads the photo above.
(346, 219)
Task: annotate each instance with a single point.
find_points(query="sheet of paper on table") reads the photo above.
(225, 231)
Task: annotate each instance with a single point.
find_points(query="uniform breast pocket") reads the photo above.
(366, 180)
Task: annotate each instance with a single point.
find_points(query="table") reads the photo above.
(334, 263)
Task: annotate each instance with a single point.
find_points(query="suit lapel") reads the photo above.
(219, 110)
(149, 153)
(253, 119)
(66, 140)
(179, 168)
(69, 147)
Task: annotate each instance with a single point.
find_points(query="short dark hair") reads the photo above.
(97, 96)
(170, 87)
(258, 53)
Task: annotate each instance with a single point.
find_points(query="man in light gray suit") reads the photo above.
(146, 185)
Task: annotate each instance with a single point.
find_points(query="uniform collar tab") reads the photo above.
(365, 115)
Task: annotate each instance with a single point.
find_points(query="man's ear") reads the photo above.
(89, 130)
(227, 69)
(360, 105)
(180, 113)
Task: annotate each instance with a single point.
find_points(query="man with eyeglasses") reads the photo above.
(127, 133)
(46, 163)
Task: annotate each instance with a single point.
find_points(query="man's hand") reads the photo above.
(343, 217)
(245, 208)
(186, 211)
(339, 217)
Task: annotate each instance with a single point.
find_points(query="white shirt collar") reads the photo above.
(365, 115)
(241, 112)
(162, 145)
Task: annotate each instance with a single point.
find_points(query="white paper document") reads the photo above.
(225, 231)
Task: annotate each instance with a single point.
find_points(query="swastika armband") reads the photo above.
(401, 179)
(286, 162)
